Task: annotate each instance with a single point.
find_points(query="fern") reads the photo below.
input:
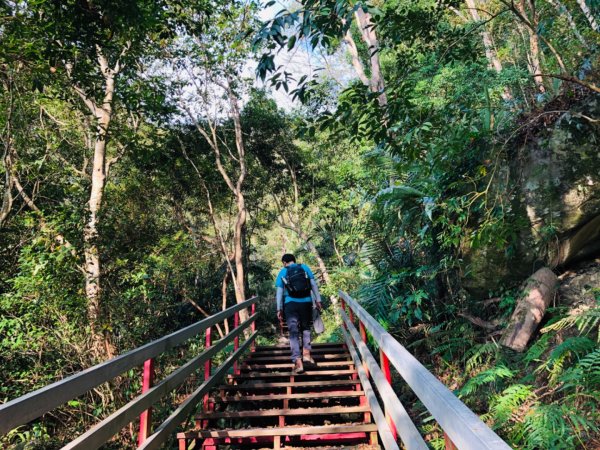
(574, 346)
(475, 356)
(492, 375)
(537, 349)
(585, 320)
(555, 426)
(505, 404)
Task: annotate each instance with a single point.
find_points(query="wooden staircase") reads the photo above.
(265, 405)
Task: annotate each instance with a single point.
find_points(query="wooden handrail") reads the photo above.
(104, 430)
(463, 426)
(168, 426)
(385, 434)
(409, 434)
(31, 406)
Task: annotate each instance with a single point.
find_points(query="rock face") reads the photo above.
(535, 297)
(581, 287)
(559, 183)
(554, 191)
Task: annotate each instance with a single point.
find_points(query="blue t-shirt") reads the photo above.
(279, 284)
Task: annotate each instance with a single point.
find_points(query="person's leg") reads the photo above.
(292, 317)
(305, 322)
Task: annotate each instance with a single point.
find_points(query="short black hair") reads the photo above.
(288, 257)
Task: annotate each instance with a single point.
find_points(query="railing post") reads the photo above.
(343, 304)
(449, 445)
(253, 310)
(207, 365)
(146, 416)
(236, 341)
(384, 362)
(363, 331)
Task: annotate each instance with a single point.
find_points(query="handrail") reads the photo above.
(168, 426)
(464, 428)
(383, 428)
(104, 430)
(409, 433)
(31, 406)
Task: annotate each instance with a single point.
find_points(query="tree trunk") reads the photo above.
(562, 9)
(101, 342)
(537, 294)
(367, 30)
(588, 15)
(90, 239)
(7, 199)
(488, 45)
(224, 297)
(534, 64)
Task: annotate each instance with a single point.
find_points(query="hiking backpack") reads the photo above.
(297, 282)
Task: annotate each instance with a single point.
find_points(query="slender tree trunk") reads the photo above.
(488, 45)
(101, 341)
(355, 58)
(562, 9)
(91, 235)
(224, 297)
(587, 12)
(534, 64)
(8, 158)
(7, 198)
(367, 30)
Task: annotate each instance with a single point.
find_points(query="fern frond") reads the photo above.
(574, 346)
(475, 356)
(537, 349)
(505, 404)
(492, 375)
(587, 320)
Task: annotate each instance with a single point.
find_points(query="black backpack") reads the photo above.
(297, 282)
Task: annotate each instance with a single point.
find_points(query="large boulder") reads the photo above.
(553, 187)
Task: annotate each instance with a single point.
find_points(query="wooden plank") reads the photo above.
(289, 365)
(31, 406)
(96, 436)
(407, 430)
(463, 426)
(163, 432)
(286, 352)
(270, 348)
(303, 395)
(387, 438)
(308, 373)
(280, 431)
(259, 385)
(316, 357)
(309, 412)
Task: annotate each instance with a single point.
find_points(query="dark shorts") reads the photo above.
(298, 314)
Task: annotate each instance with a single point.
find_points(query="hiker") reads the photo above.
(294, 284)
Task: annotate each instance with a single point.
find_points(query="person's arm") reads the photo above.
(279, 299)
(315, 290)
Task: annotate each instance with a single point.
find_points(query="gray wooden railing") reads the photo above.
(462, 428)
(33, 405)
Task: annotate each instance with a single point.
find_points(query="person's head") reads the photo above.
(288, 259)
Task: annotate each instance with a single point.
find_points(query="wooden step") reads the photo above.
(281, 431)
(316, 357)
(308, 373)
(283, 365)
(270, 348)
(309, 412)
(258, 385)
(303, 395)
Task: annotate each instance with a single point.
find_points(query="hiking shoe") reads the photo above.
(298, 367)
(306, 357)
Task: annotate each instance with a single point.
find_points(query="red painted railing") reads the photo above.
(33, 405)
(463, 430)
